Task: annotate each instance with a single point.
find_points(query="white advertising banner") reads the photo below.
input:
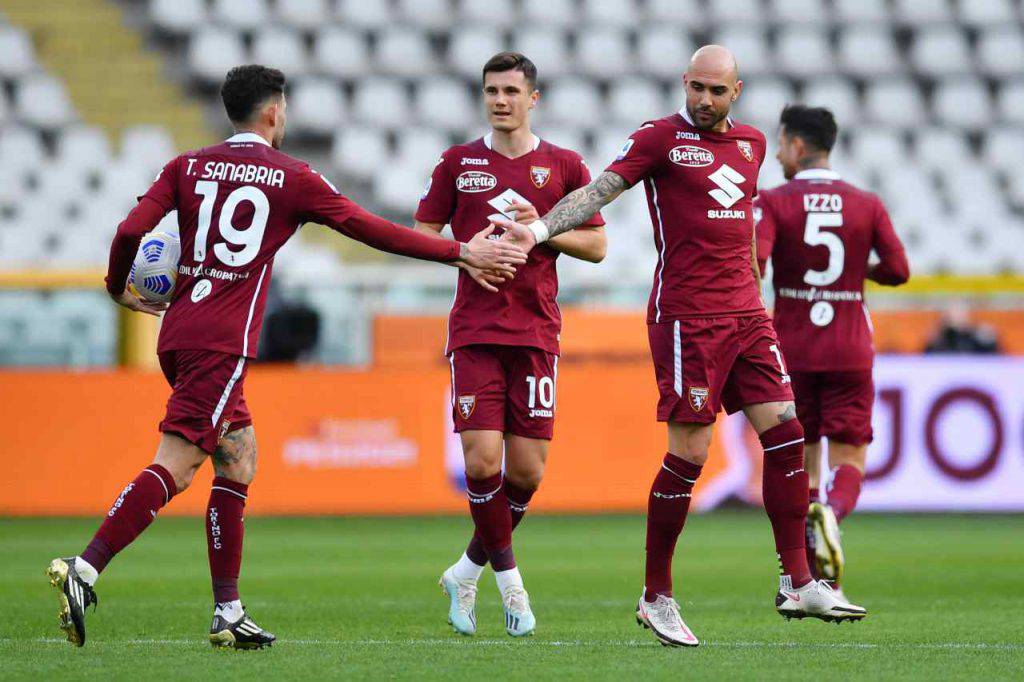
(949, 436)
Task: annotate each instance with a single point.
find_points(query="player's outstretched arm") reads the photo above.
(488, 279)
(146, 214)
(572, 211)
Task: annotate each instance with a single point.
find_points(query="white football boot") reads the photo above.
(815, 600)
(462, 607)
(663, 619)
(519, 618)
(828, 550)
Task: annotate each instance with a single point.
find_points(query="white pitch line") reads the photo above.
(969, 646)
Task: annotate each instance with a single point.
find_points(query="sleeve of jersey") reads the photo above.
(638, 156)
(143, 218)
(437, 205)
(764, 230)
(892, 268)
(164, 189)
(581, 178)
(326, 206)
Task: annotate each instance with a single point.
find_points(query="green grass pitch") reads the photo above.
(357, 598)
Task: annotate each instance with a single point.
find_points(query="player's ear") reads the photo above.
(739, 89)
(534, 98)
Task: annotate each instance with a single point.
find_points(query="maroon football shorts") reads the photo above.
(504, 388)
(703, 364)
(836, 405)
(206, 400)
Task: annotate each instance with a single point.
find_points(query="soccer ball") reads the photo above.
(155, 268)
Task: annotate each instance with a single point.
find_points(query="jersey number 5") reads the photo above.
(249, 238)
(814, 236)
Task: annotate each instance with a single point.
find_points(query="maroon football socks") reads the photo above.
(667, 507)
(224, 531)
(518, 502)
(488, 504)
(133, 511)
(785, 491)
(844, 490)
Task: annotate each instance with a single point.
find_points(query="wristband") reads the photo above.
(540, 230)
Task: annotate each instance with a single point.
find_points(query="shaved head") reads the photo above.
(712, 85)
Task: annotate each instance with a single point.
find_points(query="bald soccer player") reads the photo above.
(712, 341)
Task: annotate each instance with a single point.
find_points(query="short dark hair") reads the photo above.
(247, 87)
(816, 126)
(512, 61)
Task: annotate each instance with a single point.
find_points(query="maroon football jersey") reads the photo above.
(471, 182)
(700, 185)
(819, 232)
(238, 202)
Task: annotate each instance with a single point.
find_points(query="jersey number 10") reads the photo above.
(249, 239)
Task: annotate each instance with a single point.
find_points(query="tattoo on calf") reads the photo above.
(235, 447)
(576, 207)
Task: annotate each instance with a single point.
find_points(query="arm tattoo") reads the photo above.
(235, 447)
(576, 207)
(787, 414)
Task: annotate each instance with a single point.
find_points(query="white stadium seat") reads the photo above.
(241, 15)
(860, 11)
(43, 101)
(177, 16)
(445, 103)
(548, 12)
(762, 101)
(340, 52)
(148, 146)
(963, 103)
(731, 12)
(1011, 102)
(868, 51)
(619, 13)
(937, 148)
(476, 13)
(877, 149)
(429, 14)
(894, 102)
(573, 101)
(942, 51)
(1000, 51)
(381, 102)
(398, 187)
(567, 137)
(419, 149)
(803, 51)
(919, 12)
(359, 151)
(5, 108)
(469, 50)
(986, 12)
(633, 101)
(835, 94)
(750, 46)
(316, 106)
(664, 51)
(17, 56)
(21, 147)
(282, 49)
(364, 13)
(403, 51)
(676, 13)
(305, 15)
(212, 52)
(547, 48)
(1004, 148)
(795, 12)
(603, 52)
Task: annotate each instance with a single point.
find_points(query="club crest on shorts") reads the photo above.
(698, 397)
(467, 403)
(746, 150)
(540, 176)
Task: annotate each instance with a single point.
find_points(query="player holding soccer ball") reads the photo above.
(711, 339)
(503, 344)
(819, 232)
(238, 202)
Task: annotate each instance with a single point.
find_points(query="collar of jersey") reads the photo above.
(489, 137)
(686, 117)
(246, 137)
(817, 174)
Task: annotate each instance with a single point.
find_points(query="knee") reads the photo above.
(526, 478)
(481, 466)
(243, 471)
(183, 476)
(235, 456)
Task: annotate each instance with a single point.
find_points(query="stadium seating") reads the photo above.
(380, 87)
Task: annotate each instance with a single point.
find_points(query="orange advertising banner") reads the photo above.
(330, 441)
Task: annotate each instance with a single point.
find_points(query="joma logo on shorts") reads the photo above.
(542, 413)
(475, 181)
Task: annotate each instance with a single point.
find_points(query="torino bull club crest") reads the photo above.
(467, 403)
(698, 397)
(746, 149)
(540, 176)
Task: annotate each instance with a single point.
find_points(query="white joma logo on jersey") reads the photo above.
(470, 161)
(727, 178)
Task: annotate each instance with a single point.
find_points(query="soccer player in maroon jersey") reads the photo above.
(503, 344)
(819, 232)
(238, 202)
(711, 339)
